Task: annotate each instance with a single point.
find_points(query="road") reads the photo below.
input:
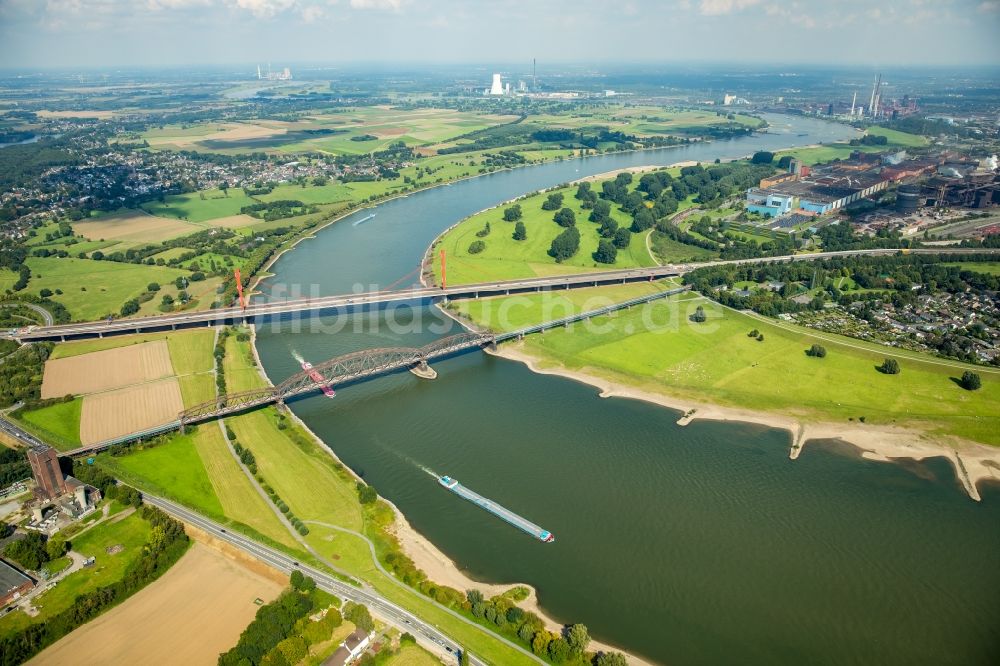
(378, 605)
(276, 308)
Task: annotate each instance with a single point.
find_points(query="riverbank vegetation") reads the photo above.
(655, 348)
(596, 224)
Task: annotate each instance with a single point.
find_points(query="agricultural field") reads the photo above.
(127, 383)
(226, 591)
(133, 409)
(92, 289)
(354, 131)
(646, 121)
(105, 370)
(132, 227)
(669, 251)
(718, 363)
(505, 258)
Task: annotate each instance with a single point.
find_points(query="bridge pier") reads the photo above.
(493, 345)
(423, 370)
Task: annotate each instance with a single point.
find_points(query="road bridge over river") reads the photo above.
(356, 366)
(271, 309)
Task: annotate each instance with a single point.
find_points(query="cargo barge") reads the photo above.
(505, 514)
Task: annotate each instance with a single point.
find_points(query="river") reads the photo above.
(702, 544)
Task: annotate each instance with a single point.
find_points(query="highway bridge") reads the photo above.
(352, 367)
(263, 311)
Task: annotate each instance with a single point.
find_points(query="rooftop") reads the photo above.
(11, 578)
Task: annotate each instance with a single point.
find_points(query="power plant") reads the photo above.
(283, 75)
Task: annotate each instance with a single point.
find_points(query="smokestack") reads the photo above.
(258, 72)
(871, 102)
(854, 102)
(534, 81)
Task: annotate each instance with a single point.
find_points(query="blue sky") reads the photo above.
(47, 33)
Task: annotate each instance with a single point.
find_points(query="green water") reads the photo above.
(695, 545)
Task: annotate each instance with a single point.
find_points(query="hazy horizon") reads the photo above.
(164, 33)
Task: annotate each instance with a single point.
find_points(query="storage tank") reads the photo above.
(908, 199)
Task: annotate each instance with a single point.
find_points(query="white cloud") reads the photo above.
(312, 13)
(721, 7)
(264, 8)
(989, 6)
(391, 5)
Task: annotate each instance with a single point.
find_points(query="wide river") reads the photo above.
(695, 545)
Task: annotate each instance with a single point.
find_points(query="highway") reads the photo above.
(378, 605)
(277, 308)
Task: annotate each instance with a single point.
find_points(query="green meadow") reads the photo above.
(92, 289)
(657, 348)
(506, 259)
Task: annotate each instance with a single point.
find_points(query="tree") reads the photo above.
(29, 552)
(553, 201)
(970, 381)
(622, 239)
(540, 642)
(606, 252)
(762, 157)
(578, 638)
(55, 548)
(512, 214)
(130, 308)
(477, 246)
(643, 220)
(600, 212)
(153, 286)
(699, 315)
(167, 300)
(608, 228)
(611, 659)
(360, 616)
(565, 218)
(559, 650)
(366, 494)
(520, 231)
(890, 366)
(45, 293)
(816, 351)
(297, 579)
(565, 245)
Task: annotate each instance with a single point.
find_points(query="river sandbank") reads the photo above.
(973, 462)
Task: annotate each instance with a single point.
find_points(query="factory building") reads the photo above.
(59, 498)
(769, 203)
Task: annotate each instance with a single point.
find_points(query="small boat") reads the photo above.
(362, 220)
(318, 378)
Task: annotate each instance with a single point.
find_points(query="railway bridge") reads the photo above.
(340, 370)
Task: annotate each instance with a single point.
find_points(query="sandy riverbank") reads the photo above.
(973, 462)
(441, 569)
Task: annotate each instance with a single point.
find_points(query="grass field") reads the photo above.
(413, 655)
(7, 279)
(505, 258)
(669, 251)
(58, 424)
(239, 499)
(93, 289)
(841, 151)
(200, 206)
(173, 469)
(989, 268)
(717, 362)
(131, 533)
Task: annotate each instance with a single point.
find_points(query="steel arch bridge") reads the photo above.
(339, 370)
